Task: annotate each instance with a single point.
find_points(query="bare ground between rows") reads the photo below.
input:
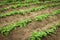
(24, 33)
(15, 18)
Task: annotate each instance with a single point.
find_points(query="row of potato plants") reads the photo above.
(6, 2)
(22, 12)
(43, 0)
(38, 35)
(19, 5)
(28, 1)
(54, 0)
(22, 5)
(56, 12)
(6, 30)
(42, 17)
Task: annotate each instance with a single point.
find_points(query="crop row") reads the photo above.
(22, 5)
(42, 17)
(22, 12)
(17, 2)
(54, 0)
(6, 30)
(38, 35)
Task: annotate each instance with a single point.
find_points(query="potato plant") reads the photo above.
(41, 17)
(56, 12)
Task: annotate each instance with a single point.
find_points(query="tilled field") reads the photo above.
(24, 20)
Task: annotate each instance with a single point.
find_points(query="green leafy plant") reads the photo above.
(4, 9)
(56, 12)
(18, 5)
(42, 17)
(22, 12)
(13, 7)
(52, 30)
(58, 25)
(2, 15)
